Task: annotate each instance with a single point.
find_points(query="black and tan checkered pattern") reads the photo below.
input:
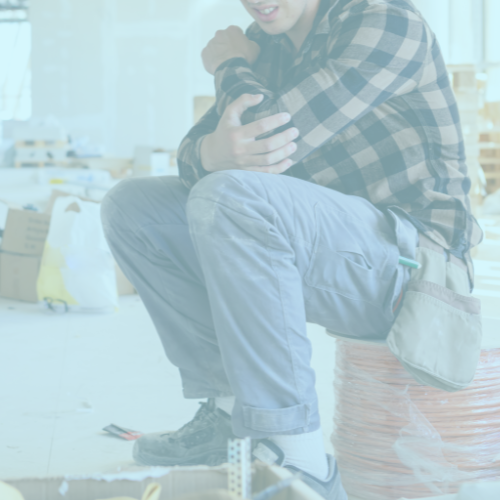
(370, 96)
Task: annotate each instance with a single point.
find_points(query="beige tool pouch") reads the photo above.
(437, 334)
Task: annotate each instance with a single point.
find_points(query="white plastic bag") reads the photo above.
(77, 270)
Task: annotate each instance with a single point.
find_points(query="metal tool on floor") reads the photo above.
(240, 472)
(239, 476)
(122, 432)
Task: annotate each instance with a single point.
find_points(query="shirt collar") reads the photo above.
(321, 26)
(322, 23)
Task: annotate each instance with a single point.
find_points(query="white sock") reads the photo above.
(225, 404)
(305, 451)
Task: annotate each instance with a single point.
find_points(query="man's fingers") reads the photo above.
(264, 125)
(279, 168)
(272, 143)
(275, 156)
(268, 159)
(240, 105)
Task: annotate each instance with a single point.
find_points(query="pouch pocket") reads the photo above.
(437, 335)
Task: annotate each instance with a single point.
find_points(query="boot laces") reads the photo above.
(203, 419)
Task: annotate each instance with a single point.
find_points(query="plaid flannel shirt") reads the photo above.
(370, 95)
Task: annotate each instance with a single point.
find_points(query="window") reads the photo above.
(15, 68)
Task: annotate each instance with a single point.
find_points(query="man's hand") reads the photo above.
(227, 44)
(233, 145)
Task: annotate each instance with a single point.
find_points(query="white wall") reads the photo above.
(457, 25)
(124, 72)
(436, 13)
(493, 49)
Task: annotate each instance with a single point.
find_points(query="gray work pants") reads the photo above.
(232, 270)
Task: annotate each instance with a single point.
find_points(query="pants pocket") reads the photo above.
(351, 259)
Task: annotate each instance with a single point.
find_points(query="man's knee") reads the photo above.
(230, 188)
(134, 203)
(220, 184)
(116, 202)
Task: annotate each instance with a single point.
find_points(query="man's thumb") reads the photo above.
(245, 101)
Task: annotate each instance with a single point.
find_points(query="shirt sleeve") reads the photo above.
(188, 154)
(370, 57)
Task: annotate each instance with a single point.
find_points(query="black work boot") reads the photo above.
(202, 441)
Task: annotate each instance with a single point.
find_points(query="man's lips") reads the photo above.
(271, 16)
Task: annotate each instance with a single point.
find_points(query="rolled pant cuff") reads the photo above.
(264, 422)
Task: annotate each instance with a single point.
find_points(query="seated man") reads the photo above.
(351, 102)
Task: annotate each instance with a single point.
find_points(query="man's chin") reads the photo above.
(274, 28)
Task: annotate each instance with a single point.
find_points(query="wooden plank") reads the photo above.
(40, 164)
(42, 144)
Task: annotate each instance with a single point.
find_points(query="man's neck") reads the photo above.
(299, 32)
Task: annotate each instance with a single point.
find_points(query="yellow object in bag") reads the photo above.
(50, 283)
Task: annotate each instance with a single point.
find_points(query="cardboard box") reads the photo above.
(150, 161)
(18, 275)
(25, 232)
(123, 284)
(21, 251)
(175, 482)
